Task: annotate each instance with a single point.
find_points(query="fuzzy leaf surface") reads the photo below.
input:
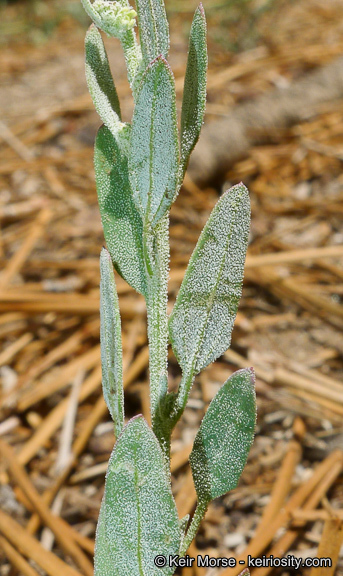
(194, 93)
(202, 320)
(103, 558)
(154, 155)
(153, 29)
(123, 228)
(223, 441)
(111, 346)
(100, 81)
(138, 510)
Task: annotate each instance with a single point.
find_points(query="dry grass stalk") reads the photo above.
(55, 418)
(22, 254)
(325, 407)
(197, 570)
(97, 413)
(32, 549)
(79, 445)
(13, 141)
(13, 349)
(288, 378)
(281, 488)
(64, 455)
(321, 479)
(16, 558)
(53, 421)
(314, 515)
(330, 545)
(40, 391)
(60, 529)
(311, 387)
(290, 256)
(178, 460)
(286, 541)
(66, 348)
(80, 304)
(186, 497)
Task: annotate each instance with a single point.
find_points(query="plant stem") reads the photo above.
(182, 396)
(184, 390)
(158, 331)
(199, 513)
(133, 57)
(88, 6)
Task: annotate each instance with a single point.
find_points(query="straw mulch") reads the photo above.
(55, 434)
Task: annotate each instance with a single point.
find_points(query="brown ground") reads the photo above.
(290, 319)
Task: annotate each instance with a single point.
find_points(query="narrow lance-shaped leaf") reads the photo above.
(194, 93)
(202, 320)
(153, 29)
(138, 519)
(100, 81)
(123, 228)
(226, 433)
(154, 152)
(111, 346)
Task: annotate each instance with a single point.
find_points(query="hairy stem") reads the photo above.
(181, 398)
(199, 513)
(133, 57)
(158, 330)
(184, 390)
(88, 6)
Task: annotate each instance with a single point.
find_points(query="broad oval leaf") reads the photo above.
(111, 346)
(123, 228)
(202, 320)
(154, 151)
(138, 515)
(194, 93)
(153, 29)
(223, 441)
(100, 81)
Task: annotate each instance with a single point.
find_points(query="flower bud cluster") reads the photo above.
(113, 18)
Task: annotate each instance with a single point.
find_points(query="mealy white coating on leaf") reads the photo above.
(157, 300)
(224, 438)
(111, 346)
(138, 509)
(103, 559)
(123, 228)
(194, 93)
(100, 82)
(203, 316)
(153, 29)
(154, 152)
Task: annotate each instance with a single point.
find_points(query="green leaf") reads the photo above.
(226, 433)
(183, 523)
(138, 519)
(122, 223)
(154, 153)
(194, 93)
(153, 29)
(100, 81)
(111, 346)
(202, 320)
(103, 557)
